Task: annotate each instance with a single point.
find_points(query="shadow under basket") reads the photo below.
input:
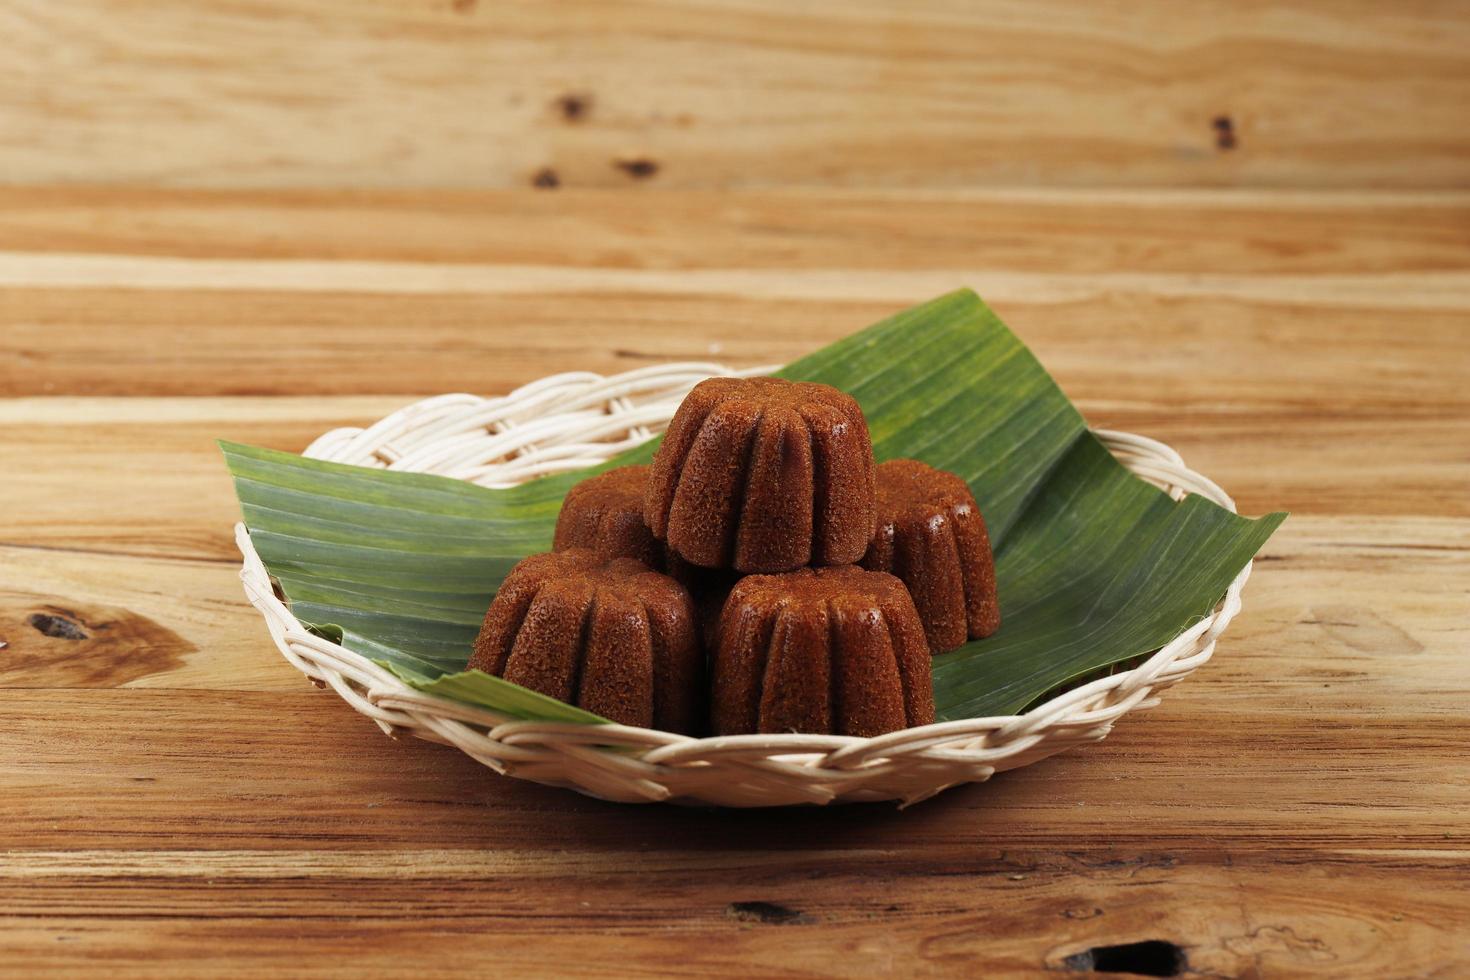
(570, 421)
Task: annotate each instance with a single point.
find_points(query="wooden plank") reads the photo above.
(143, 476)
(284, 771)
(196, 294)
(1043, 230)
(1224, 347)
(676, 93)
(168, 494)
(985, 914)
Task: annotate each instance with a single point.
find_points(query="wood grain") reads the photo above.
(232, 294)
(759, 93)
(939, 923)
(309, 917)
(1052, 231)
(169, 496)
(175, 800)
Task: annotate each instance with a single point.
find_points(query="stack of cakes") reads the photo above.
(762, 575)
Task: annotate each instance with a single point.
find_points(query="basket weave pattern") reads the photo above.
(569, 421)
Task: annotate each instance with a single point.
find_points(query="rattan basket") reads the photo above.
(570, 421)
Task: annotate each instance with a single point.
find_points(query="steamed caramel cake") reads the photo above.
(764, 475)
(835, 650)
(932, 536)
(608, 635)
(605, 513)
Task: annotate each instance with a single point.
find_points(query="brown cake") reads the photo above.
(606, 634)
(764, 475)
(605, 513)
(931, 535)
(821, 650)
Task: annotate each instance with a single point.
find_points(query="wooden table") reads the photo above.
(175, 799)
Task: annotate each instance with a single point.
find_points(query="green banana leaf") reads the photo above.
(1094, 565)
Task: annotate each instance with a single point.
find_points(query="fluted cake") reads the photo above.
(609, 635)
(605, 513)
(932, 536)
(835, 650)
(764, 475)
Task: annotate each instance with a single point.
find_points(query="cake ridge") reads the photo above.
(739, 498)
(763, 475)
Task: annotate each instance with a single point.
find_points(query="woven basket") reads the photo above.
(570, 421)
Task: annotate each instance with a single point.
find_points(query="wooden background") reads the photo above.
(260, 220)
(736, 93)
